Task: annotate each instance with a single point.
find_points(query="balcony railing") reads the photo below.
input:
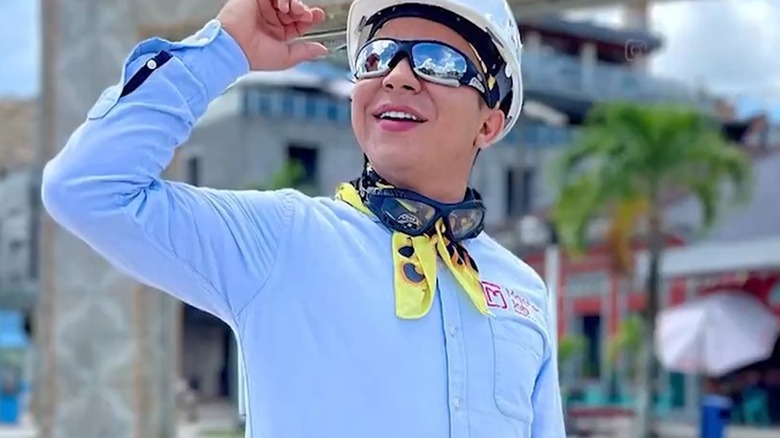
(313, 108)
(556, 73)
(296, 105)
(541, 136)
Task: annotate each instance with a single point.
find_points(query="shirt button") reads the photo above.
(456, 402)
(452, 330)
(151, 64)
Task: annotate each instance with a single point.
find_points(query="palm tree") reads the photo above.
(627, 344)
(289, 175)
(569, 347)
(626, 159)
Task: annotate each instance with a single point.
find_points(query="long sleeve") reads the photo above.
(548, 413)
(210, 248)
(547, 406)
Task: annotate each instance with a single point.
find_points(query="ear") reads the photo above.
(492, 125)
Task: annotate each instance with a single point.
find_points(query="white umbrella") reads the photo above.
(716, 334)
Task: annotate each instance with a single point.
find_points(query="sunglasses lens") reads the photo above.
(410, 216)
(439, 62)
(464, 221)
(374, 59)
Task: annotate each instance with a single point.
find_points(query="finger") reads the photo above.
(283, 6)
(302, 24)
(317, 15)
(298, 12)
(304, 15)
(305, 51)
(301, 27)
(297, 7)
(286, 19)
(268, 12)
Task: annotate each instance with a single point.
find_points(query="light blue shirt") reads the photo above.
(306, 284)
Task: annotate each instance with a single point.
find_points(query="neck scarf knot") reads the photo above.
(414, 257)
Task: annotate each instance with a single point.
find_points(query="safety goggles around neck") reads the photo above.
(432, 61)
(415, 215)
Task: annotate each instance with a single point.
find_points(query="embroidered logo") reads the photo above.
(503, 298)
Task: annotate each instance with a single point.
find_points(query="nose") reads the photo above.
(401, 78)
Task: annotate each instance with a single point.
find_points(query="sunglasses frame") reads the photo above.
(405, 49)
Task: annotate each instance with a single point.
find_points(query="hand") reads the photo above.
(265, 29)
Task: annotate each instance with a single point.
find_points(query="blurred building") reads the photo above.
(593, 300)
(17, 133)
(19, 239)
(19, 207)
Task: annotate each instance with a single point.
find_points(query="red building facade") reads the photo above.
(589, 287)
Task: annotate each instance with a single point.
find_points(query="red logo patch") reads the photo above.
(502, 298)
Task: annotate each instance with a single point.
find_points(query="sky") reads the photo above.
(20, 47)
(728, 46)
(723, 45)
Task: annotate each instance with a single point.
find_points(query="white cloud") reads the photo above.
(727, 44)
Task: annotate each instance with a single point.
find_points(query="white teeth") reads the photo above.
(398, 115)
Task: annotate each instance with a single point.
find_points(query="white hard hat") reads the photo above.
(493, 18)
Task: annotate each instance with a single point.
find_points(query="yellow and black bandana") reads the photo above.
(414, 258)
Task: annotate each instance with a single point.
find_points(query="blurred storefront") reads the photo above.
(593, 303)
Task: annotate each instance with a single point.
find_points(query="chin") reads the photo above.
(397, 149)
(393, 158)
(390, 142)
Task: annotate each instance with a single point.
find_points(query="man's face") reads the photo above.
(455, 121)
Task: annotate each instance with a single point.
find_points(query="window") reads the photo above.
(288, 105)
(34, 199)
(311, 104)
(510, 192)
(519, 191)
(308, 158)
(193, 170)
(592, 332)
(531, 135)
(333, 110)
(14, 280)
(587, 284)
(526, 190)
(265, 106)
(15, 245)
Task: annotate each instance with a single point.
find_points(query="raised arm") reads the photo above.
(212, 249)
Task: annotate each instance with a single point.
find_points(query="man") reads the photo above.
(382, 312)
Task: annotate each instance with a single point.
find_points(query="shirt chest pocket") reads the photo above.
(518, 349)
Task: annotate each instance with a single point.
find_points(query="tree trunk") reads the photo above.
(648, 368)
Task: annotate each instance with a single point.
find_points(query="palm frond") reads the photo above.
(287, 176)
(628, 152)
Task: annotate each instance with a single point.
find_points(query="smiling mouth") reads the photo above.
(398, 116)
